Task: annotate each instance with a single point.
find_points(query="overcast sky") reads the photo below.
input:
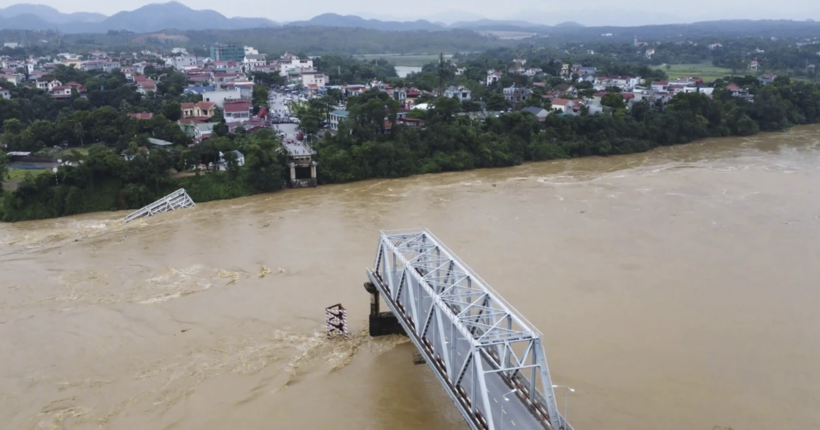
(590, 12)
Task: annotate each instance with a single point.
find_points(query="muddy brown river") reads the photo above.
(677, 289)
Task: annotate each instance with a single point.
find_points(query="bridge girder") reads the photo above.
(477, 344)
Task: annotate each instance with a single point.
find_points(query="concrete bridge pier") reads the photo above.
(381, 323)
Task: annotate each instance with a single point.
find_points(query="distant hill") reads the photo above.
(485, 23)
(149, 18)
(569, 24)
(49, 14)
(335, 20)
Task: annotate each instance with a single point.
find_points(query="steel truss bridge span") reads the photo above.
(487, 356)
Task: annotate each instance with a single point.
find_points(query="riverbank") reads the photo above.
(211, 186)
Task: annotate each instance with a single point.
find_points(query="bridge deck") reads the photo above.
(487, 356)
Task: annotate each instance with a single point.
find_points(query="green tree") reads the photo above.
(4, 161)
(613, 100)
(260, 95)
(172, 110)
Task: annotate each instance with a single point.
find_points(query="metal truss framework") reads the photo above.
(478, 346)
(177, 200)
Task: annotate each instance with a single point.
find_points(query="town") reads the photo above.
(197, 110)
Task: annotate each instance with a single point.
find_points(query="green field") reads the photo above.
(82, 150)
(412, 60)
(705, 71)
(17, 174)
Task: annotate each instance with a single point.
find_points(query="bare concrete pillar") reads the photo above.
(292, 171)
(313, 169)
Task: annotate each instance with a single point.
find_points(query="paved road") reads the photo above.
(278, 104)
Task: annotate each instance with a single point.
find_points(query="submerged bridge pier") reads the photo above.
(487, 356)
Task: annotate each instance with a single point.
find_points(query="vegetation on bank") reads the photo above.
(105, 181)
(365, 148)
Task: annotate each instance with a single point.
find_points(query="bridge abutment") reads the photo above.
(381, 323)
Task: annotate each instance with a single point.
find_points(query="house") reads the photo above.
(754, 65)
(220, 96)
(767, 79)
(586, 77)
(245, 89)
(659, 85)
(198, 89)
(539, 113)
(47, 84)
(146, 86)
(319, 79)
(198, 110)
(411, 122)
(336, 117)
(532, 72)
(142, 115)
(353, 90)
(412, 95)
(461, 93)
(399, 95)
(516, 95)
(203, 131)
(493, 77)
(624, 83)
(222, 165)
(9, 77)
(562, 106)
(715, 45)
(60, 92)
(739, 92)
(565, 71)
(460, 71)
(650, 52)
(4, 93)
(223, 78)
(237, 110)
(254, 61)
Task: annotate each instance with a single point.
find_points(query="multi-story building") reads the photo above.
(227, 52)
(309, 79)
(289, 63)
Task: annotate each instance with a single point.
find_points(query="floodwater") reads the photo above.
(676, 289)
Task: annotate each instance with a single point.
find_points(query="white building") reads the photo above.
(254, 61)
(219, 97)
(461, 93)
(319, 79)
(290, 62)
(493, 77)
(183, 61)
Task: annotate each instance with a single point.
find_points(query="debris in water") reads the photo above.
(264, 272)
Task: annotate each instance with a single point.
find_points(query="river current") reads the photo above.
(676, 289)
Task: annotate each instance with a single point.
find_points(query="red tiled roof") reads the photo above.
(732, 87)
(237, 106)
(561, 102)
